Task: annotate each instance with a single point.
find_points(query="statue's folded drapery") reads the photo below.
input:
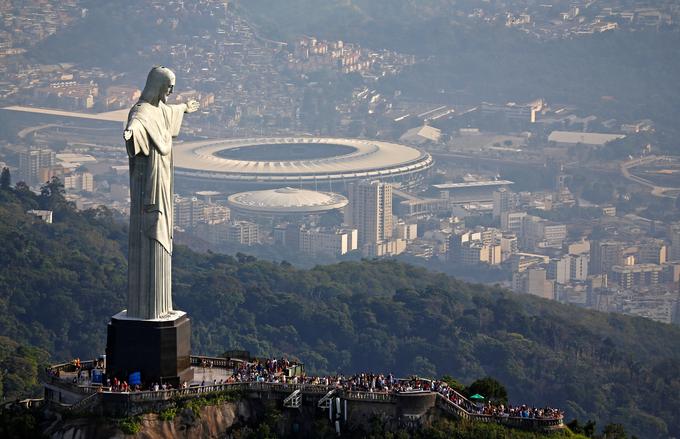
(151, 197)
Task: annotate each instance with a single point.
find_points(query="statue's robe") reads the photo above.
(151, 203)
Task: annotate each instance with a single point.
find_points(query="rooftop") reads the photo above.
(577, 137)
(287, 200)
(297, 159)
(470, 184)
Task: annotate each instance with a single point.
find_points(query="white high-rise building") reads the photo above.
(243, 232)
(579, 267)
(370, 211)
(334, 242)
(674, 230)
(34, 165)
(502, 202)
(560, 269)
(83, 181)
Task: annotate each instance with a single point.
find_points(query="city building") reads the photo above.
(578, 270)
(243, 232)
(674, 232)
(662, 308)
(384, 248)
(652, 251)
(476, 252)
(481, 246)
(513, 221)
(509, 245)
(523, 261)
(187, 212)
(45, 215)
(577, 138)
(671, 273)
(541, 233)
(604, 255)
(471, 191)
(559, 269)
(80, 181)
(327, 241)
(636, 276)
(502, 202)
(533, 281)
(370, 211)
(35, 166)
(406, 231)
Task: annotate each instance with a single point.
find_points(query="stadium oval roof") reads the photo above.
(286, 201)
(266, 160)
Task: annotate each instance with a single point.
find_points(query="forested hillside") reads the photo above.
(60, 283)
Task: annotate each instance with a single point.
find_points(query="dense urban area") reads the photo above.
(546, 198)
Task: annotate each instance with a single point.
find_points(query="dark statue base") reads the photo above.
(158, 349)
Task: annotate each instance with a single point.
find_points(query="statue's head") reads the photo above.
(159, 85)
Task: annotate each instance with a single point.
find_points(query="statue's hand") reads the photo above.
(127, 134)
(192, 106)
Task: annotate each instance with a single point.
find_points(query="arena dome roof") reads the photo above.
(286, 201)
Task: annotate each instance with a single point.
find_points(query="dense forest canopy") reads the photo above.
(61, 282)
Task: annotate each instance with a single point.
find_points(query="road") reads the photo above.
(657, 191)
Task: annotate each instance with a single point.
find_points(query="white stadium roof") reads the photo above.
(286, 201)
(363, 159)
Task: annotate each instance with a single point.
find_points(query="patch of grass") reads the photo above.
(131, 425)
(168, 414)
(195, 404)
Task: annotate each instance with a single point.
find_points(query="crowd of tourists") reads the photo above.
(276, 371)
(492, 408)
(521, 411)
(284, 371)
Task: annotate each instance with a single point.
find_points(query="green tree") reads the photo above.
(614, 431)
(453, 383)
(489, 388)
(587, 429)
(52, 197)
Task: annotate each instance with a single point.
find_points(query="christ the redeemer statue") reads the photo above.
(148, 138)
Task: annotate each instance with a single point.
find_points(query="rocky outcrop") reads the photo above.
(211, 422)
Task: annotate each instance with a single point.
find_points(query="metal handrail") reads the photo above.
(369, 396)
(84, 403)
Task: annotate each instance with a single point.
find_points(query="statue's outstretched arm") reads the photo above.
(192, 106)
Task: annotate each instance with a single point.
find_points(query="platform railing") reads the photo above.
(447, 405)
(71, 386)
(216, 362)
(546, 423)
(368, 396)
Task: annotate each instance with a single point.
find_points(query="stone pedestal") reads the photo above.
(159, 349)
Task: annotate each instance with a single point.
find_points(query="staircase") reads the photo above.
(327, 400)
(86, 404)
(294, 400)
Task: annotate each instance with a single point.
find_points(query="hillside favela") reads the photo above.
(393, 219)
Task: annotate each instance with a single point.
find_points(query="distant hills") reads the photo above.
(60, 283)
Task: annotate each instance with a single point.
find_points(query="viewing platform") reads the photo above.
(72, 389)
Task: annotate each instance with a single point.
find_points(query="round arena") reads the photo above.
(285, 201)
(310, 162)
